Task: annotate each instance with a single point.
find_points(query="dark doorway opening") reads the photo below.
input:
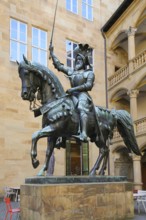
(77, 158)
(143, 170)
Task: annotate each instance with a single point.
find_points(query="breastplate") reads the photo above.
(78, 79)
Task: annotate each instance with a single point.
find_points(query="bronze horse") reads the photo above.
(61, 119)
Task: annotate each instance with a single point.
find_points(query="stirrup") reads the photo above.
(79, 137)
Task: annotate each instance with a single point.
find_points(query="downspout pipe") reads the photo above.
(106, 81)
(105, 68)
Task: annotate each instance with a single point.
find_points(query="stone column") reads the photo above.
(136, 159)
(133, 103)
(131, 42)
(137, 172)
(131, 46)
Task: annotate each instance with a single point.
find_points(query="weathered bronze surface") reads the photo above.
(72, 113)
(74, 179)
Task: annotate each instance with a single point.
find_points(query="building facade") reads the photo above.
(125, 34)
(25, 28)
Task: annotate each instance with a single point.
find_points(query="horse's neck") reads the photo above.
(50, 88)
(49, 94)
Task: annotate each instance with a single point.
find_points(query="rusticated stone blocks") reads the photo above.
(73, 201)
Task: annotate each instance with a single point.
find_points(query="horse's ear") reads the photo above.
(17, 62)
(25, 59)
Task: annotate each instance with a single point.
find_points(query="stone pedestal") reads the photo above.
(76, 198)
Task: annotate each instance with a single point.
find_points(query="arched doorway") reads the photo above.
(123, 164)
(143, 169)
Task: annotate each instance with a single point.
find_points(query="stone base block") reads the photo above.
(73, 201)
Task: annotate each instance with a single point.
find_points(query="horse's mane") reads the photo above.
(46, 74)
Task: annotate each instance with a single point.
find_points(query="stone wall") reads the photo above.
(100, 201)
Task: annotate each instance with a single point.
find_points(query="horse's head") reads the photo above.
(37, 79)
(30, 80)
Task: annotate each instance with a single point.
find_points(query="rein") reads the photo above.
(33, 104)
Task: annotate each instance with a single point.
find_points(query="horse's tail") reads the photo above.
(126, 130)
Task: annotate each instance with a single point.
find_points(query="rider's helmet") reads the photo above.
(84, 51)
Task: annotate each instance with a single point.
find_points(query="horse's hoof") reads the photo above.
(35, 163)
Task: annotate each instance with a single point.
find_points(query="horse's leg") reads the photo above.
(49, 151)
(45, 132)
(104, 165)
(102, 154)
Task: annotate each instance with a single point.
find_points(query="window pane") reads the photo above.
(13, 33)
(74, 54)
(68, 5)
(68, 48)
(68, 63)
(73, 63)
(74, 7)
(22, 50)
(84, 10)
(74, 46)
(13, 50)
(22, 32)
(43, 40)
(90, 2)
(35, 37)
(91, 57)
(90, 13)
(18, 34)
(35, 54)
(43, 57)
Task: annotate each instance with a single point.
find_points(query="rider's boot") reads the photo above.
(83, 122)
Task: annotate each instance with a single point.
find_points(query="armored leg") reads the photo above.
(83, 127)
(83, 121)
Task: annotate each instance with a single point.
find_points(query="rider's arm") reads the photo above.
(58, 65)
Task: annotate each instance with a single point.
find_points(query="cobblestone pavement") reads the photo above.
(141, 216)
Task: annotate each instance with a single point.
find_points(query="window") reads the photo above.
(87, 9)
(18, 40)
(91, 57)
(70, 46)
(39, 46)
(72, 5)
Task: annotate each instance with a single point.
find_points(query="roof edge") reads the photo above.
(117, 14)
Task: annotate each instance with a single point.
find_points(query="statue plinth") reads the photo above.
(78, 197)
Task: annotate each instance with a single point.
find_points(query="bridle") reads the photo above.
(33, 104)
(32, 90)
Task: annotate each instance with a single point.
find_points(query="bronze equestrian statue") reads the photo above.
(62, 111)
(81, 80)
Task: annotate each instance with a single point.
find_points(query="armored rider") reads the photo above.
(81, 79)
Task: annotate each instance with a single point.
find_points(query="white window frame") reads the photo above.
(72, 3)
(72, 59)
(39, 46)
(92, 63)
(87, 5)
(17, 41)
